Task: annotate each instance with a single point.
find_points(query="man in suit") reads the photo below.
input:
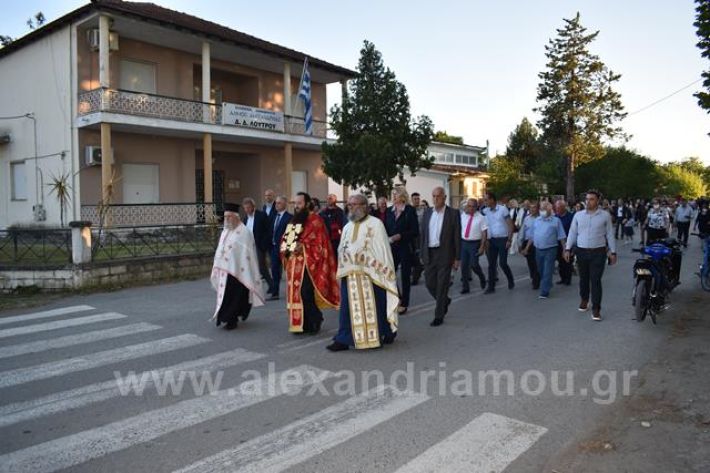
(402, 229)
(258, 223)
(269, 206)
(281, 219)
(441, 249)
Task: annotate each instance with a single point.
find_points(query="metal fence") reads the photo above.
(140, 242)
(35, 247)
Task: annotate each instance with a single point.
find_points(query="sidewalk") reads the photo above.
(665, 424)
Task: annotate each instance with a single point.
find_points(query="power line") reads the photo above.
(665, 98)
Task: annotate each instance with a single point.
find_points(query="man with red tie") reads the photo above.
(474, 233)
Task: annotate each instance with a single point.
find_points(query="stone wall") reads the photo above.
(108, 274)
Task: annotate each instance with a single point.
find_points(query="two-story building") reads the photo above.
(139, 104)
(460, 169)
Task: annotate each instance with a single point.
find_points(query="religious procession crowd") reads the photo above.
(363, 259)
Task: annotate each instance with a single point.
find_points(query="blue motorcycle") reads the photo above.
(656, 273)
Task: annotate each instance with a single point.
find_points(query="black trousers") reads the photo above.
(312, 316)
(564, 267)
(532, 266)
(403, 260)
(683, 229)
(235, 303)
(590, 265)
(437, 275)
(618, 229)
(417, 266)
(264, 269)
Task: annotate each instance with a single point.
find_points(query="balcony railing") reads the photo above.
(149, 105)
(171, 108)
(135, 215)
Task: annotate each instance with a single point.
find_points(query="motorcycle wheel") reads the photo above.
(641, 300)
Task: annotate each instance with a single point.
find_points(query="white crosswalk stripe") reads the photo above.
(94, 360)
(59, 324)
(45, 314)
(489, 443)
(312, 435)
(80, 397)
(74, 449)
(72, 340)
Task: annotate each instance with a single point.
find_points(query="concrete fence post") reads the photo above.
(80, 242)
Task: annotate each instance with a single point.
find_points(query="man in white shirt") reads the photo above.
(500, 237)
(683, 215)
(592, 236)
(474, 233)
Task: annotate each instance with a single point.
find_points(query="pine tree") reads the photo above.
(377, 137)
(524, 146)
(579, 107)
(702, 24)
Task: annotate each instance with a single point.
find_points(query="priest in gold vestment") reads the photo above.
(368, 283)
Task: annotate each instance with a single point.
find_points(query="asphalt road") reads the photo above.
(63, 370)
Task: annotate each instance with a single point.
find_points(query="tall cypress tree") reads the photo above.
(377, 137)
(702, 24)
(579, 107)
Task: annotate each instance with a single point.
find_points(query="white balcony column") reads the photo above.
(287, 88)
(207, 137)
(104, 70)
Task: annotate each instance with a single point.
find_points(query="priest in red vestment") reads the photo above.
(310, 264)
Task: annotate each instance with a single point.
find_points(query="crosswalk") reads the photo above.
(489, 442)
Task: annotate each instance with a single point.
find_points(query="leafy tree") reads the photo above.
(680, 181)
(377, 137)
(508, 179)
(443, 137)
(524, 145)
(702, 24)
(578, 106)
(621, 173)
(33, 23)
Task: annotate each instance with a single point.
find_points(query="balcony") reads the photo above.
(176, 109)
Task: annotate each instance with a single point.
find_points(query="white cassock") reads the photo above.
(365, 260)
(236, 256)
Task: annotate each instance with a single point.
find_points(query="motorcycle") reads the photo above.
(656, 274)
(704, 267)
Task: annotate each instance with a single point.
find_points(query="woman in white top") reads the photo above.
(515, 216)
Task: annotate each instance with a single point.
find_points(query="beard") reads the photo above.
(357, 214)
(300, 216)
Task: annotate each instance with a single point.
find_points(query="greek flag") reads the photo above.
(304, 93)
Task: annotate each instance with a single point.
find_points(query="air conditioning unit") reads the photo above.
(92, 37)
(92, 156)
(4, 138)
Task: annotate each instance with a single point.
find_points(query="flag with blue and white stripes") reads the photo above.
(304, 93)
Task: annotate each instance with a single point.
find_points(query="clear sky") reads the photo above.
(472, 65)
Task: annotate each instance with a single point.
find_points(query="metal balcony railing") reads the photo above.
(172, 108)
(136, 215)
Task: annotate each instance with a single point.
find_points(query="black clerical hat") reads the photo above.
(231, 207)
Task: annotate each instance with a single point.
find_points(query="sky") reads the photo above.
(472, 66)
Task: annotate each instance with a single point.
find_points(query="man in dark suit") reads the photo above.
(281, 219)
(258, 223)
(269, 206)
(402, 229)
(441, 246)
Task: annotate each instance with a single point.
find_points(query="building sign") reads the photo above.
(251, 117)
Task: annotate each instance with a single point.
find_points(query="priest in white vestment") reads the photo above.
(368, 282)
(235, 272)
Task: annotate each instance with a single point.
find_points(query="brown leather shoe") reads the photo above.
(583, 306)
(596, 315)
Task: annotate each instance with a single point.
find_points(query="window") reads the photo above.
(141, 183)
(449, 157)
(137, 76)
(18, 184)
